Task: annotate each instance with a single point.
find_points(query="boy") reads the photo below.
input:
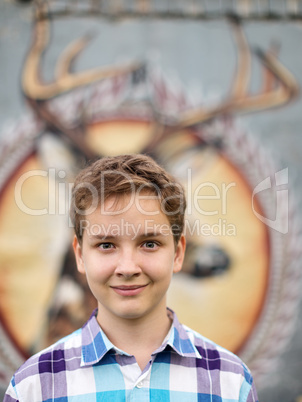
(128, 215)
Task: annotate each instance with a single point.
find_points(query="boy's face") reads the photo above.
(128, 255)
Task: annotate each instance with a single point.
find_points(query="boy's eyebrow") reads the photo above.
(102, 236)
(109, 236)
(151, 234)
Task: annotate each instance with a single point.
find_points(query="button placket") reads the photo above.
(143, 379)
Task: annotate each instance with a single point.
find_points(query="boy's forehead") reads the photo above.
(133, 216)
(145, 201)
(126, 229)
(132, 225)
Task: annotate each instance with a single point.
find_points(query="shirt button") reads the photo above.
(139, 385)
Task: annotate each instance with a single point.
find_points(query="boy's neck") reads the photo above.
(138, 337)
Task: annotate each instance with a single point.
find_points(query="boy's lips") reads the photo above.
(130, 290)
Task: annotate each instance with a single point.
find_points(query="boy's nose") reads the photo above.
(127, 265)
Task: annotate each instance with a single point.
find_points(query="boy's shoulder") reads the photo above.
(229, 375)
(202, 341)
(41, 368)
(67, 354)
(65, 350)
(216, 357)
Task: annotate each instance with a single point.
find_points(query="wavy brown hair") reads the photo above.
(122, 175)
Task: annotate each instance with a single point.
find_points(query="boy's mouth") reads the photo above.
(131, 290)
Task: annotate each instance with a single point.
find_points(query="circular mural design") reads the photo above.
(239, 281)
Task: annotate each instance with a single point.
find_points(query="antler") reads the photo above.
(38, 92)
(280, 86)
(65, 80)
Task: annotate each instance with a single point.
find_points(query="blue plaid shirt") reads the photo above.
(86, 367)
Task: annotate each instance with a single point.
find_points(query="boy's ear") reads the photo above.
(179, 254)
(78, 255)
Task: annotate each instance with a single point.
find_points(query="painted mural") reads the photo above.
(240, 281)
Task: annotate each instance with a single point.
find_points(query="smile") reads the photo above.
(129, 290)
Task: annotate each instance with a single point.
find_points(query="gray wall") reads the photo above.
(279, 132)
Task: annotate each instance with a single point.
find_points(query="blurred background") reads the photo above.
(210, 89)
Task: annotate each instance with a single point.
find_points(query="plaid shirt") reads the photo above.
(86, 367)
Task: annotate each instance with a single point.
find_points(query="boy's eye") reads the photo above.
(150, 245)
(105, 246)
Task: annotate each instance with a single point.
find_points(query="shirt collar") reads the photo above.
(180, 340)
(95, 343)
